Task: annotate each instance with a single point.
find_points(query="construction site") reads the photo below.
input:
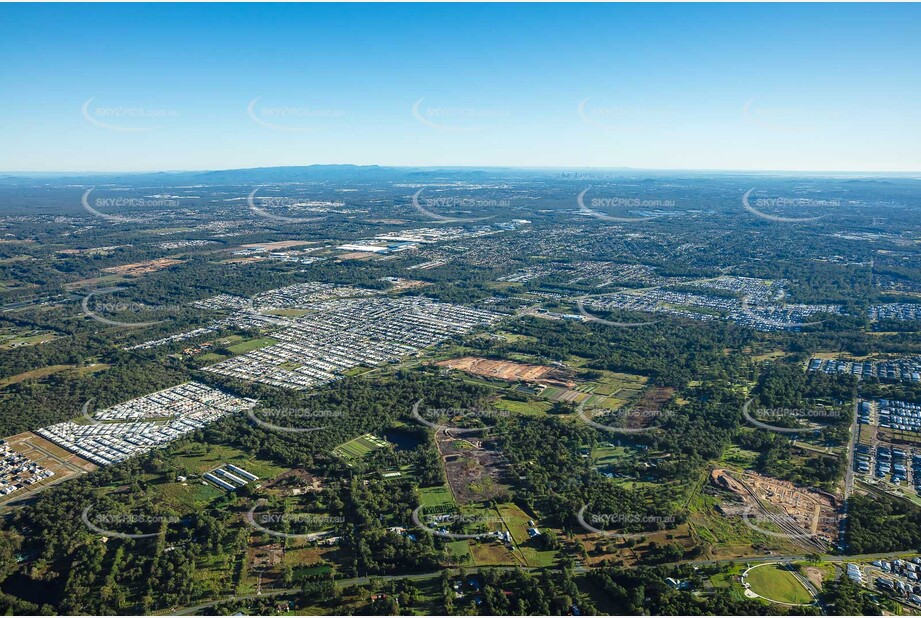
(775, 507)
(510, 371)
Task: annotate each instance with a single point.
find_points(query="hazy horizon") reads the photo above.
(753, 87)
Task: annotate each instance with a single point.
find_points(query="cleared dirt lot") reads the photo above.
(810, 511)
(63, 463)
(142, 268)
(473, 468)
(508, 370)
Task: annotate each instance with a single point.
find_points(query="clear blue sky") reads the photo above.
(751, 87)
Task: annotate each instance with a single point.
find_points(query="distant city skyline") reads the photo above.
(755, 87)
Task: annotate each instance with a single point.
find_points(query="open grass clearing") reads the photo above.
(775, 583)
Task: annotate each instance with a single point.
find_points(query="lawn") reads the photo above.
(607, 454)
(199, 458)
(613, 383)
(8, 341)
(493, 553)
(436, 498)
(357, 448)
(739, 458)
(777, 584)
(524, 407)
(516, 520)
(460, 550)
(193, 460)
(253, 344)
(44, 372)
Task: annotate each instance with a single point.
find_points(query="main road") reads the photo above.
(193, 609)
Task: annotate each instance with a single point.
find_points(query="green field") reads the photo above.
(623, 385)
(516, 520)
(606, 454)
(460, 550)
(523, 407)
(288, 313)
(356, 448)
(436, 498)
(252, 344)
(775, 583)
(739, 458)
(16, 338)
(193, 460)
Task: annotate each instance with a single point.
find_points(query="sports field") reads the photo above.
(775, 583)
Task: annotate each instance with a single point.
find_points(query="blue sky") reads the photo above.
(751, 87)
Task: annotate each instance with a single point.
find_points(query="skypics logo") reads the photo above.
(635, 119)
(462, 203)
(103, 523)
(290, 119)
(124, 202)
(456, 119)
(122, 307)
(774, 119)
(637, 415)
(269, 522)
(785, 203)
(310, 417)
(799, 414)
(454, 414)
(765, 315)
(600, 117)
(456, 519)
(283, 202)
(85, 411)
(619, 202)
(607, 520)
(580, 304)
(126, 119)
(787, 526)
